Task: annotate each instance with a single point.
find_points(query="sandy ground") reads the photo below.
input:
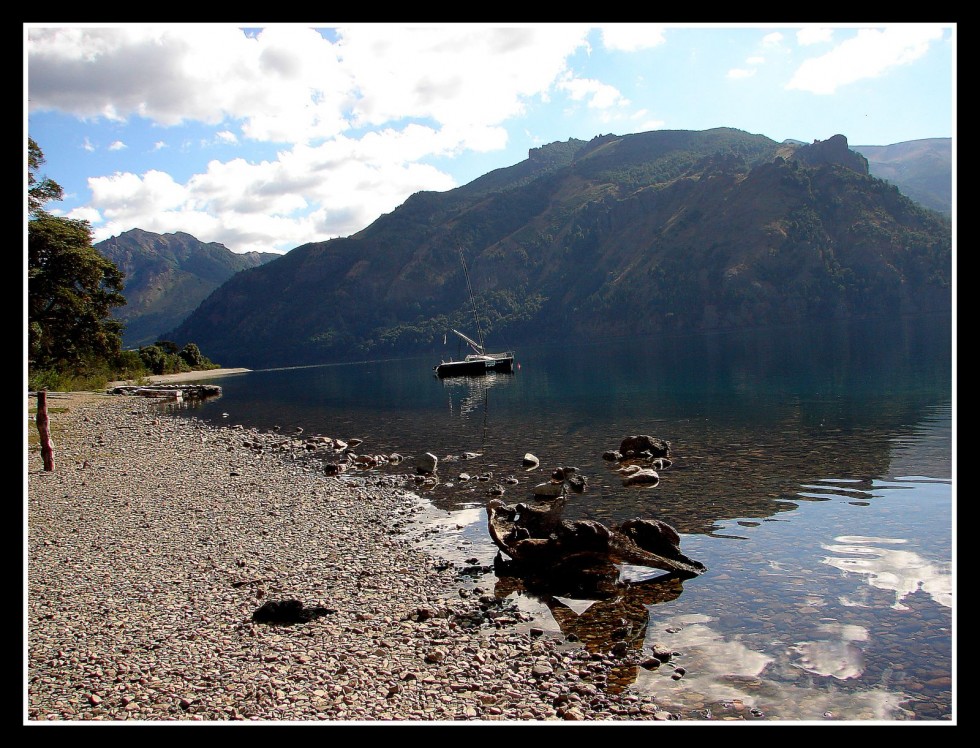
(188, 376)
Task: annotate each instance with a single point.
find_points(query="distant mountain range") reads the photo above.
(655, 232)
(167, 276)
(921, 169)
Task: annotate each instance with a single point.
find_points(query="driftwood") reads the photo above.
(169, 391)
(44, 430)
(536, 536)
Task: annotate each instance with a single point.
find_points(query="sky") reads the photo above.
(267, 137)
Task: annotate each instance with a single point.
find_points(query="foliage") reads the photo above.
(40, 190)
(197, 361)
(165, 358)
(72, 290)
(93, 376)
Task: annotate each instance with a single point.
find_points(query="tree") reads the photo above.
(192, 356)
(40, 191)
(71, 288)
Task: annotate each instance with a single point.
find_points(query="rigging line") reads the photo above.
(469, 289)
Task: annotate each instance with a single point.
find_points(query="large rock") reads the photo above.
(426, 464)
(643, 445)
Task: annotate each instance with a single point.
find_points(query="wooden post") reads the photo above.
(43, 428)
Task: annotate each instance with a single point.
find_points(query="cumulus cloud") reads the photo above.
(629, 37)
(597, 94)
(117, 145)
(355, 111)
(870, 53)
(813, 35)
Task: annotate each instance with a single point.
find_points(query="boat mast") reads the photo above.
(476, 316)
(473, 344)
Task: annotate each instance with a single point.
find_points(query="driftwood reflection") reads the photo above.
(612, 617)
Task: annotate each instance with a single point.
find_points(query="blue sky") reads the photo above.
(266, 138)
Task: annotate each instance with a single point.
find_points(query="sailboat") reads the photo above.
(479, 361)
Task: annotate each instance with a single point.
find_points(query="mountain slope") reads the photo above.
(166, 278)
(921, 169)
(667, 230)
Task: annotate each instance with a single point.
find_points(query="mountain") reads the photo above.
(167, 276)
(656, 232)
(921, 169)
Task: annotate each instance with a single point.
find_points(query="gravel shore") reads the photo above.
(156, 539)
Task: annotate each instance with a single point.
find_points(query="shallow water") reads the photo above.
(812, 473)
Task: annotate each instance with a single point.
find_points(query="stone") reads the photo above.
(635, 445)
(550, 488)
(426, 464)
(642, 477)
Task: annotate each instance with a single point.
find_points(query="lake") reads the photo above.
(813, 474)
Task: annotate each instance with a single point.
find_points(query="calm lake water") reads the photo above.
(813, 473)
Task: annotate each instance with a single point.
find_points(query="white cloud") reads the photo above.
(869, 54)
(599, 95)
(403, 73)
(772, 40)
(813, 35)
(117, 145)
(738, 73)
(159, 145)
(87, 145)
(85, 214)
(355, 115)
(308, 193)
(630, 37)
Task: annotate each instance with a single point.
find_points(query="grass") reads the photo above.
(56, 430)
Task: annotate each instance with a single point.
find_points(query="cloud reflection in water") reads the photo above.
(730, 678)
(900, 571)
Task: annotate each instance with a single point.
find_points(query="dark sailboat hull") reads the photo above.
(476, 365)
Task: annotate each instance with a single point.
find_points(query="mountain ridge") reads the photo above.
(166, 277)
(634, 234)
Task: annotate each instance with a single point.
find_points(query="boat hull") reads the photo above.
(467, 368)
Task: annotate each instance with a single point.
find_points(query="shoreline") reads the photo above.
(184, 376)
(156, 540)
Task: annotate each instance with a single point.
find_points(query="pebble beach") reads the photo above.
(159, 548)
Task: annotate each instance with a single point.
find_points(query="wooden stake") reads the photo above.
(44, 429)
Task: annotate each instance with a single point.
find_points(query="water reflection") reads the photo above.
(726, 679)
(596, 607)
(838, 655)
(899, 571)
(467, 394)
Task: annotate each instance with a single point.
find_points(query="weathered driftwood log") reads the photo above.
(534, 536)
